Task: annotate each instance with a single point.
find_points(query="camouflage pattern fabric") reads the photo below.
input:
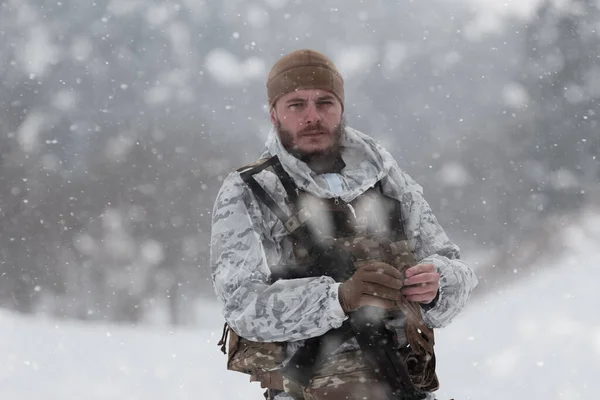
(247, 240)
(344, 376)
(251, 357)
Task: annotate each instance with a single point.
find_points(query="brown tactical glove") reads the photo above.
(374, 284)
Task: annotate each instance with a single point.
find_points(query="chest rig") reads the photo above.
(334, 238)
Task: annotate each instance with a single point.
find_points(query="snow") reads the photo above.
(352, 61)
(38, 52)
(208, 60)
(394, 55)
(277, 3)
(123, 7)
(30, 130)
(491, 15)
(227, 69)
(539, 339)
(454, 174)
(45, 359)
(257, 17)
(64, 100)
(515, 95)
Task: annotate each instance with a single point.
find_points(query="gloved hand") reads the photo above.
(374, 284)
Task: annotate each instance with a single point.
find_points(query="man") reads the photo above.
(286, 227)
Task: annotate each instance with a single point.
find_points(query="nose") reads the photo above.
(312, 115)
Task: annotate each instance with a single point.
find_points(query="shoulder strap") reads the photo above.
(287, 181)
(249, 170)
(256, 164)
(247, 173)
(291, 223)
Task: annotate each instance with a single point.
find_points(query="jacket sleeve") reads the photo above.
(287, 310)
(457, 279)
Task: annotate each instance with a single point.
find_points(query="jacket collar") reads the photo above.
(366, 164)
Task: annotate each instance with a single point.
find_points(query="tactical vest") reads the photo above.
(368, 229)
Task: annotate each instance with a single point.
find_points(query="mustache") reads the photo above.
(312, 131)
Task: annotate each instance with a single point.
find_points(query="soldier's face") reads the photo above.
(309, 122)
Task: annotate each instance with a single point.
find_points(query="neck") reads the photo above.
(325, 163)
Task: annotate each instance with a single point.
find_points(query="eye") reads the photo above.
(325, 102)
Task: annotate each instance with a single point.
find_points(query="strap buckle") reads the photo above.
(297, 220)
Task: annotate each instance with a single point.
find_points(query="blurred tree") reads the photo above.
(121, 119)
(559, 140)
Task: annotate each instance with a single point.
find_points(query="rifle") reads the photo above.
(365, 324)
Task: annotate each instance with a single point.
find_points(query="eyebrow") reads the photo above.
(325, 97)
(296, 100)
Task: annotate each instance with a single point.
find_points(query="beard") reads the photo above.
(333, 152)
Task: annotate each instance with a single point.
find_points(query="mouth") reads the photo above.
(313, 133)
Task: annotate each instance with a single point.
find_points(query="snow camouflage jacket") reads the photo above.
(247, 238)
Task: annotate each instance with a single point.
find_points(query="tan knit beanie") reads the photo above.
(304, 69)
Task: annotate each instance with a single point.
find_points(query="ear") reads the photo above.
(273, 116)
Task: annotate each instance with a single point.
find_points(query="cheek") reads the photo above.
(336, 114)
(332, 116)
(289, 125)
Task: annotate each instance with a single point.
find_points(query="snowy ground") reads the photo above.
(539, 339)
(43, 359)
